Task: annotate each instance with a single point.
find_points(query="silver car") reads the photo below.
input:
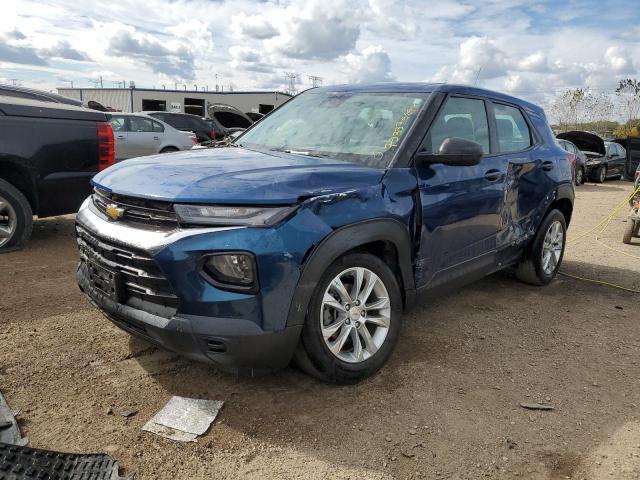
(137, 134)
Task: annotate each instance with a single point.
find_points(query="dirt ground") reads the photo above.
(446, 406)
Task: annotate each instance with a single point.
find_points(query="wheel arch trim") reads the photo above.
(345, 239)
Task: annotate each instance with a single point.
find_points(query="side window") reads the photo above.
(513, 131)
(463, 118)
(177, 121)
(622, 151)
(194, 124)
(118, 124)
(140, 124)
(157, 127)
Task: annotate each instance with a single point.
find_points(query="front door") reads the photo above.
(141, 138)
(461, 205)
(120, 127)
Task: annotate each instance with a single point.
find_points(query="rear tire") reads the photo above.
(348, 337)
(543, 257)
(579, 176)
(601, 174)
(16, 218)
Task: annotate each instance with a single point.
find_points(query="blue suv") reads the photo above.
(310, 235)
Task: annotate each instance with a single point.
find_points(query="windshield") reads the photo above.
(364, 128)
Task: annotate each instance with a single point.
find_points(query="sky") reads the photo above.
(530, 49)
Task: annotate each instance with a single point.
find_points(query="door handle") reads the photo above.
(120, 136)
(547, 165)
(156, 138)
(493, 175)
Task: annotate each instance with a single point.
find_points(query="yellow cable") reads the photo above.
(599, 231)
(599, 282)
(612, 214)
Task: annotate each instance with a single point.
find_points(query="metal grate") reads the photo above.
(141, 277)
(137, 210)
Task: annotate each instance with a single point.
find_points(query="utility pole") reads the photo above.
(291, 78)
(315, 81)
(101, 86)
(15, 82)
(216, 82)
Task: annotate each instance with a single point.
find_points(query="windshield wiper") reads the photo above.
(305, 153)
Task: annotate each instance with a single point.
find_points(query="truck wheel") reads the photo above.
(16, 218)
(629, 230)
(601, 174)
(353, 321)
(542, 259)
(579, 176)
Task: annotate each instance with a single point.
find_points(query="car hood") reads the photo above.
(234, 176)
(585, 141)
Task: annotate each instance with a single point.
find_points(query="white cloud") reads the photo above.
(255, 26)
(318, 29)
(619, 59)
(536, 62)
(370, 65)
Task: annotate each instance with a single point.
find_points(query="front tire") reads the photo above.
(601, 174)
(16, 218)
(353, 321)
(542, 259)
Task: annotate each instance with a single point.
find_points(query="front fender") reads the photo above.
(342, 240)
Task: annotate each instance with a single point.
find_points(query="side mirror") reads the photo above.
(453, 151)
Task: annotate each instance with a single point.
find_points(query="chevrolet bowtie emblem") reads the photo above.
(114, 212)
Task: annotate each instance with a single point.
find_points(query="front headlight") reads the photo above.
(231, 215)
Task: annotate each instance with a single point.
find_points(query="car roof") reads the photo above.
(147, 112)
(33, 94)
(420, 87)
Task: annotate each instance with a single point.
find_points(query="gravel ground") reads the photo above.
(446, 406)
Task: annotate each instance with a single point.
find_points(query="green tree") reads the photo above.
(628, 93)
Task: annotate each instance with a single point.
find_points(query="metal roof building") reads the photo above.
(185, 101)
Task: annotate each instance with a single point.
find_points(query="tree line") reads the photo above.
(582, 109)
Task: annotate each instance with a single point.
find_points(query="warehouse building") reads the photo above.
(184, 101)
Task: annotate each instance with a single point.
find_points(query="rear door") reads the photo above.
(119, 124)
(531, 174)
(461, 205)
(141, 138)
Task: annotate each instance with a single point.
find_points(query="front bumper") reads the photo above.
(235, 332)
(232, 345)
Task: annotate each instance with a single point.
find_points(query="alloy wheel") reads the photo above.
(355, 315)
(552, 247)
(8, 221)
(579, 176)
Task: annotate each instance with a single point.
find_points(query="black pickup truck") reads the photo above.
(48, 153)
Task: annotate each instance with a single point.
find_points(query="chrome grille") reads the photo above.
(137, 210)
(142, 279)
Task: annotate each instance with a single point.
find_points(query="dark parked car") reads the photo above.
(578, 160)
(228, 116)
(48, 153)
(323, 223)
(205, 131)
(604, 159)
